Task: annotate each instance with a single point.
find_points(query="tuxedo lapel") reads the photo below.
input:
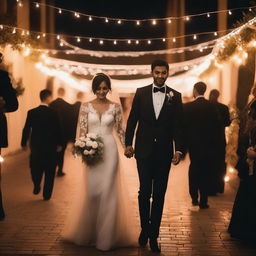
(150, 102)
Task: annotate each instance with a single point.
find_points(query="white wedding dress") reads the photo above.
(102, 215)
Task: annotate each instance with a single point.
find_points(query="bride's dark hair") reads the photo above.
(98, 79)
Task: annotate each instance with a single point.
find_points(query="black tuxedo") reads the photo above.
(224, 121)
(154, 150)
(43, 125)
(11, 104)
(201, 124)
(65, 113)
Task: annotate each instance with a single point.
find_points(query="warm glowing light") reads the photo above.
(27, 33)
(208, 15)
(154, 22)
(149, 42)
(90, 18)
(61, 44)
(229, 12)
(106, 20)
(226, 179)
(44, 34)
(119, 21)
(101, 42)
(187, 18)
(115, 42)
(1, 159)
(1, 27)
(174, 39)
(129, 41)
(27, 52)
(14, 31)
(245, 55)
(60, 11)
(37, 5)
(137, 42)
(78, 39)
(169, 21)
(38, 37)
(43, 56)
(194, 37)
(137, 22)
(164, 39)
(231, 170)
(215, 33)
(186, 68)
(20, 4)
(58, 37)
(90, 40)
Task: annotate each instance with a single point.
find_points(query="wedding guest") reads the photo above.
(201, 122)
(64, 111)
(243, 223)
(43, 124)
(8, 103)
(76, 107)
(220, 165)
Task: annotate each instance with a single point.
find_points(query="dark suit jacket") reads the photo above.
(224, 121)
(201, 128)
(43, 125)
(11, 105)
(164, 130)
(65, 113)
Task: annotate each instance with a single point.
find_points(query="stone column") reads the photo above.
(23, 15)
(222, 16)
(175, 8)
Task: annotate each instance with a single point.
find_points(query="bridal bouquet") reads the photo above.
(90, 148)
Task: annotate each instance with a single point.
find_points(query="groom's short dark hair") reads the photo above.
(200, 87)
(44, 94)
(161, 63)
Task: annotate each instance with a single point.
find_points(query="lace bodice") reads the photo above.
(90, 121)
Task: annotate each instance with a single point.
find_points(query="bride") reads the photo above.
(102, 216)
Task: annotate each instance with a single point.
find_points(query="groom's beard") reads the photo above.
(159, 81)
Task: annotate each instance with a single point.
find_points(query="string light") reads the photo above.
(1, 27)
(101, 42)
(119, 22)
(14, 31)
(90, 40)
(153, 22)
(1, 159)
(115, 42)
(44, 35)
(149, 42)
(168, 19)
(137, 42)
(215, 33)
(194, 37)
(164, 40)
(58, 37)
(174, 39)
(106, 20)
(129, 41)
(60, 11)
(78, 39)
(137, 22)
(38, 37)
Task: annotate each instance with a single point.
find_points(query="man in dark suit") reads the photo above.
(8, 103)
(157, 109)
(201, 122)
(224, 121)
(64, 111)
(76, 108)
(43, 125)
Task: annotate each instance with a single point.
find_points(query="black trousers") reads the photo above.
(43, 163)
(60, 157)
(2, 215)
(200, 173)
(153, 176)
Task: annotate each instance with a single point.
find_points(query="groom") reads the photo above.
(157, 109)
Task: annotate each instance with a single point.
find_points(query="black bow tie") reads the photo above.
(161, 89)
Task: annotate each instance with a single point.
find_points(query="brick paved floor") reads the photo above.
(33, 226)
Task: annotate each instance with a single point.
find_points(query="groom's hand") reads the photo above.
(129, 151)
(176, 158)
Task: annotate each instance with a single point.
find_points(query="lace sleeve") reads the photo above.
(82, 125)
(118, 124)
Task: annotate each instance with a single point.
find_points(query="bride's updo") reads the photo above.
(98, 79)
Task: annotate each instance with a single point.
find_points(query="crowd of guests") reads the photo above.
(52, 125)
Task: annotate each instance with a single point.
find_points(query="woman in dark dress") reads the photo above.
(243, 220)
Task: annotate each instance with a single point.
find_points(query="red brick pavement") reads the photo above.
(33, 226)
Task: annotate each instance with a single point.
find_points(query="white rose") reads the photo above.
(77, 143)
(86, 152)
(89, 143)
(94, 144)
(82, 144)
(92, 151)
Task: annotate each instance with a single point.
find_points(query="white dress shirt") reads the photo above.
(158, 100)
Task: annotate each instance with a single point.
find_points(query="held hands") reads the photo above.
(176, 158)
(251, 154)
(129, 151)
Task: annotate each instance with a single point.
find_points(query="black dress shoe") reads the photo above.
(204, 206)
(195, 202)
(47, 198)
(36, 190)
(154, 245)
(143, 239)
